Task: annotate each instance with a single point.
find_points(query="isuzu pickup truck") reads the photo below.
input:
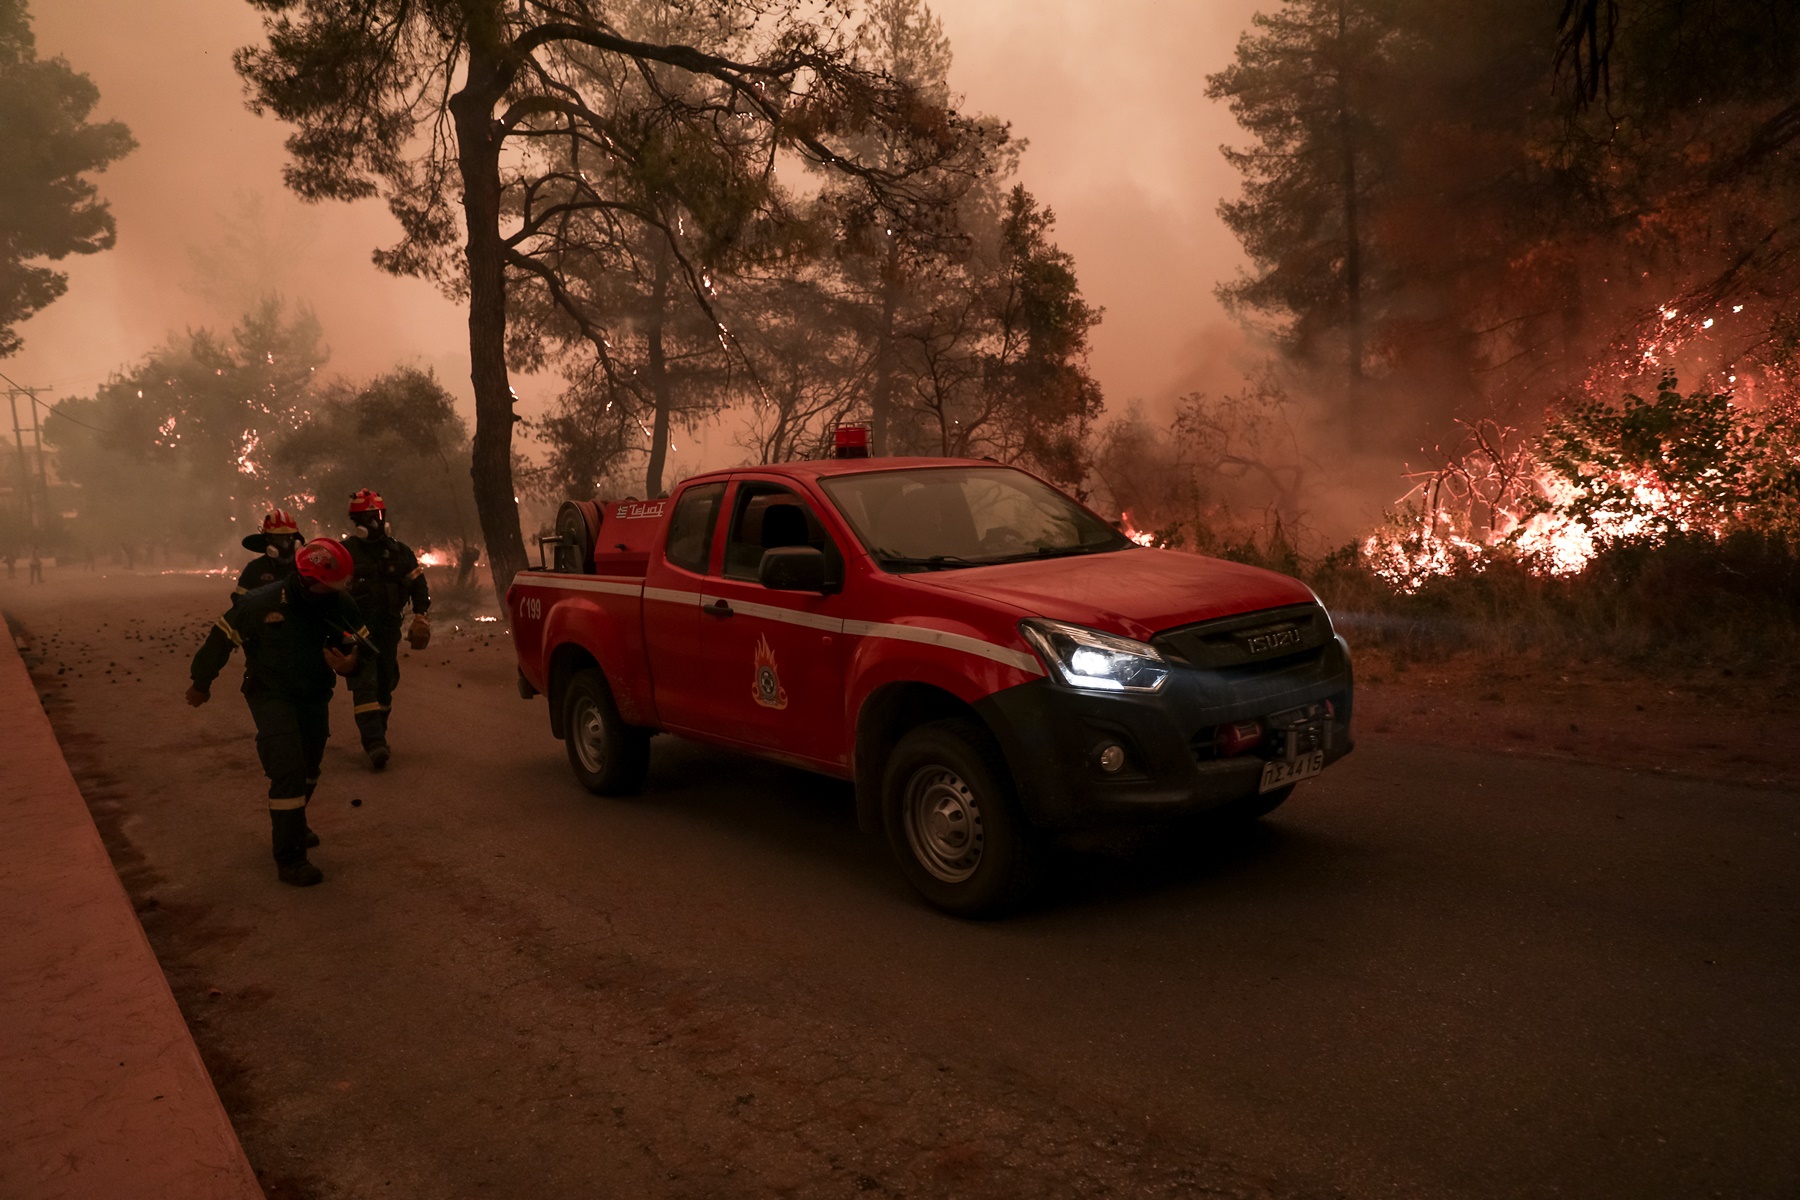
(989, 661)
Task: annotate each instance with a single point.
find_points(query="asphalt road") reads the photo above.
(1434, 973)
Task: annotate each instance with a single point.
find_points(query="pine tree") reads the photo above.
(1305, 83)
(47, 145)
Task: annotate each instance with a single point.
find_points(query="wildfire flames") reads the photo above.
(1439, 543)
(431, 558)
(1141, 537)
(1497, 494)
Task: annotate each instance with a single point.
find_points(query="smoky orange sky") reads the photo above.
(1110, 95)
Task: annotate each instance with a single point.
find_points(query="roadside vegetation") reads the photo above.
(1661, 532)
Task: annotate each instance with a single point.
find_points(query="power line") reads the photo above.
(48, 408)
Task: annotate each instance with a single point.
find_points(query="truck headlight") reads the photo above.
(1087, 658)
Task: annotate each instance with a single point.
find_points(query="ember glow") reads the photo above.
(246, 458)
(1496, 494)
(1140, 536)
(1605, 471)
(431, 558)
(1412, 551)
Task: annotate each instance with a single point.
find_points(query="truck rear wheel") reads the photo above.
(610, 757)
(953, 821)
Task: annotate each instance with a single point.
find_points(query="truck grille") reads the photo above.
(1249, 641)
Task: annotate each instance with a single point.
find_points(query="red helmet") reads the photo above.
(277, 523)
(326, 561)
(367, 501)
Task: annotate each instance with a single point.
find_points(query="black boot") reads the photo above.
(287, 830)
(372, 725)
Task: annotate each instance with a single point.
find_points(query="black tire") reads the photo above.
(609, 757)
(953, 820)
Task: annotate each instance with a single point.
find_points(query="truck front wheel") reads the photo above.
(610, 757)
(953, 821)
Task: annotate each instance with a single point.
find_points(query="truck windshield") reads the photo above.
(942, 518)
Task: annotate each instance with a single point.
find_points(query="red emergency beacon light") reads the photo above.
(851, 441)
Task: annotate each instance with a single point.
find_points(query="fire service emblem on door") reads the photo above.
(767, 691)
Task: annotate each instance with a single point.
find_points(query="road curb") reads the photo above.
(105, 1094)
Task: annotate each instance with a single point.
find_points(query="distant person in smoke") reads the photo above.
(275, 544)
(11, 571)
(298, 634)
(37, 568)
(388, 579)
(468, 557)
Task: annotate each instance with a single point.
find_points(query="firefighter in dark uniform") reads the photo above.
(275, 543)
(388, 578)
(296, 633)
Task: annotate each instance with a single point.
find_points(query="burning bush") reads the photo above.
(1663, 528)
(1678, 464)
(1601, 477)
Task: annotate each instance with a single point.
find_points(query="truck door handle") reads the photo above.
(718, 608)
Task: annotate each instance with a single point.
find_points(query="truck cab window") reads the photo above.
(691, 527)
(768, 516)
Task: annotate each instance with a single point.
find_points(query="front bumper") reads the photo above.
(1052, 737)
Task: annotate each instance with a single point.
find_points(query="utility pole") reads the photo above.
(31, 508)
(36, 498)
(36, 438)
(37, 441)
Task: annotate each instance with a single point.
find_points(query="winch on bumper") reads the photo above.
(1224, 726)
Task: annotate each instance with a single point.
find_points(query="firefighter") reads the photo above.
(275, 542)
(388, 578)
(296, 633)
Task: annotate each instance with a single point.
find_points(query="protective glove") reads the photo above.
(197, 695)
(337, 660)
(418, 634)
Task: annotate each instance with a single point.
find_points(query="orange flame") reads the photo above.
(1141, 537)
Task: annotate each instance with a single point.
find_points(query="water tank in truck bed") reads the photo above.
(607, 537)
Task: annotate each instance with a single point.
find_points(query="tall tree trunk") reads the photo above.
(881, 397)
(659, 378)
(478, 157)
(1353, 317)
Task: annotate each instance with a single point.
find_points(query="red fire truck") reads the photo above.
(990, 662)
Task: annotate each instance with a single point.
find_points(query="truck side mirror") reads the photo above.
(792, 569)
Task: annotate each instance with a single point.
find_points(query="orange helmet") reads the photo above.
(366, 500)
(277, 522)
(326, 561)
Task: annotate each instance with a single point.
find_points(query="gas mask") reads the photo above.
(372, 524)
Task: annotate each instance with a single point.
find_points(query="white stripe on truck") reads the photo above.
(950, 641)
(1019, 659)
(771, 612)
(610, 587)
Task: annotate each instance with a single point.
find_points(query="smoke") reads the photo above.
(1124, 146)
(204, 221)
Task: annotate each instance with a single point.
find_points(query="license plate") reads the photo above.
(1281, 772)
